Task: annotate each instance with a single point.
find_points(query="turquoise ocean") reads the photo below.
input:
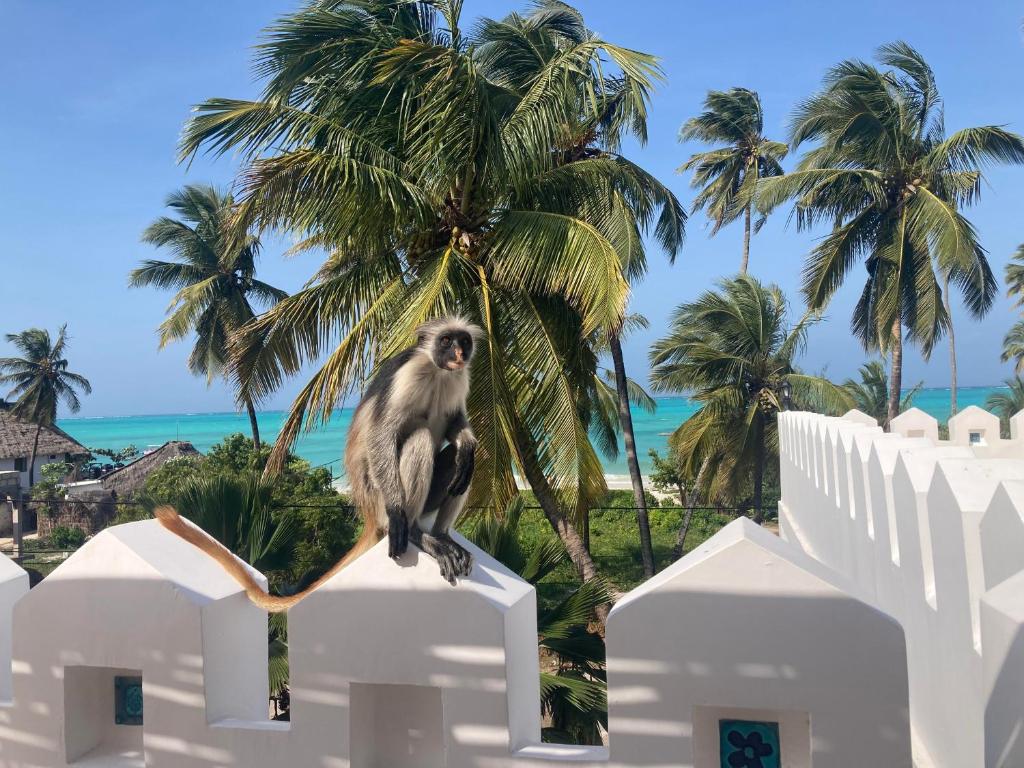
(324, 447)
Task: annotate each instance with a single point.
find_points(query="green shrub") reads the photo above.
(65, 537)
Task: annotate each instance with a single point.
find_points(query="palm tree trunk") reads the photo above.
(32, 458)
(758, 468)
(952, 347)
(746, 239)
(626, 422)
(254, 425)
(691, 502)
(895, 374)
(565, 530)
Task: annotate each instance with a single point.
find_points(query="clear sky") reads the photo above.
(93, 97)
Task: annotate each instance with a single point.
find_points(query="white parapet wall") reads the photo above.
(13, 584)
(932, 533)
(140, 651)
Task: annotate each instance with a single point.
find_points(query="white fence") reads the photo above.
(746, 648)
(932, 533)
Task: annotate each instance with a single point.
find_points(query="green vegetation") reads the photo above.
(732, 348)
(1006, 404)
(317, 528)
(727, 176)
(1013, 342)
(214, 276)
(870, 395)
(892, 186)
(40, 380)
(63, 537)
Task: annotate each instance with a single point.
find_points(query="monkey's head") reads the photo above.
(448, 341)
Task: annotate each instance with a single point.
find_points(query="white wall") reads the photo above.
(945, 538)
(393, 667)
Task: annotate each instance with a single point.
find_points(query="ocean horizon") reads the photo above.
(325, 445)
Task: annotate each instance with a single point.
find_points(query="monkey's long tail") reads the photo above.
(172, 521)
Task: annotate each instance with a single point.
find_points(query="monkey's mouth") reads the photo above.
(455, 365)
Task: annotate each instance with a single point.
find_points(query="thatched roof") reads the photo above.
(16, 438)
(130, 477)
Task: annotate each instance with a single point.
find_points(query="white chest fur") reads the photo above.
(422, 389)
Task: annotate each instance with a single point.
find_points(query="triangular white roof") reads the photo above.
(9, 569)
(146, 550)
(418, 572)
(747, 535)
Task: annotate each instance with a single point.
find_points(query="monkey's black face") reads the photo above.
(452, 350)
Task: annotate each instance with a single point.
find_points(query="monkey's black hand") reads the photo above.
(398, 533)
(465, 462)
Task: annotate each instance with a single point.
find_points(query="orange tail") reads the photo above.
(172, 521)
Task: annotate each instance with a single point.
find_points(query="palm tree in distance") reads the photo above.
(607, 112)
(871, 394)
(215, 278)
(1013, 342)
(437, 174)
(727, 175)
(891, 185)
(733, 350)
(1007, 404)
(41, 381)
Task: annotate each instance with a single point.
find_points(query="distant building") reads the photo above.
(16, 437)
(130, 478)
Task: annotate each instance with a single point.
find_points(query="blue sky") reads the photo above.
(94, 96)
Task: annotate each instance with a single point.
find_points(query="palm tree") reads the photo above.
(432, 168)
(616, 393)
(215, 278)
(41, 381)
(574, 693)
(891, 186)
(871, 394)
(727, 175)
(1007, 404)
(1013, 342)
(733, 350)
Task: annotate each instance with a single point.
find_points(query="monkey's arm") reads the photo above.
(460, 434)
(384, 467)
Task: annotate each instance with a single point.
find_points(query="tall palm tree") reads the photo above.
(1007, 404)
(215, 278)
(871, 394)
(727, 175)
(891, 185)
(433, 172)
(41, 381)
(733, 350)
(617, 394)
(1013, 342)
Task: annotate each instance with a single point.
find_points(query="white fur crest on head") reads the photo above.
(431, 329)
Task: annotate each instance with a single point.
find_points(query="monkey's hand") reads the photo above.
(398, 532)
(465, 461)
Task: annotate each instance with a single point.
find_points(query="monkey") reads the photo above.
(409, 457)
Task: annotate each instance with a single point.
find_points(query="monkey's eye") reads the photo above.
(446, 341)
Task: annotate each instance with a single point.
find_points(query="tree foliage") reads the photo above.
(892, 185)
(870, 393)
(447, 171)
(733, 350)
(727, 175)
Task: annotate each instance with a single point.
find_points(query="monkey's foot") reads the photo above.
(398, 534)
(442, 551)
(463, 560)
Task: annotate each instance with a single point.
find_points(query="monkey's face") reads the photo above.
(453, 349)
